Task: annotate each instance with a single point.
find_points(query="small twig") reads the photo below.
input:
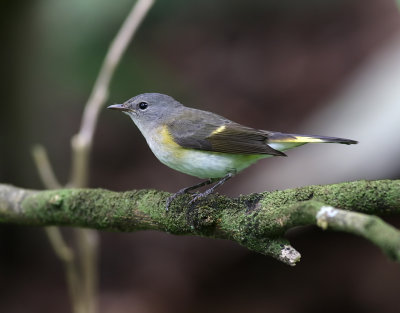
(368, 226)
(279, 248)
(66, 255)
(118, 46)
(44, 168)
(88, 245)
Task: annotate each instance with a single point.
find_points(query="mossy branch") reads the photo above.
(257, 221)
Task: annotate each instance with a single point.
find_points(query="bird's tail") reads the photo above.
(302, 139)
(282, 142)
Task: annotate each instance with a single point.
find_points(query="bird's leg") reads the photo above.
(212, 189)
(186, 190)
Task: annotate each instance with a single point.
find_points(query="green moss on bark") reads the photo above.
(257, 221)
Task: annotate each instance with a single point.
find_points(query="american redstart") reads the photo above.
(204, 144)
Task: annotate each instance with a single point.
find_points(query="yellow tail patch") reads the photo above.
(297, 139)
(302, 139)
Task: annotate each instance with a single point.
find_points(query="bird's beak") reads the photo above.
(119, 107)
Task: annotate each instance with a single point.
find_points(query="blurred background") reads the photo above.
(321, 67)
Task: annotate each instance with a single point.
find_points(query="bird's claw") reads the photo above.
(196, 197)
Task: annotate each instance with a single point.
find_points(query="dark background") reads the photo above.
(268, 64)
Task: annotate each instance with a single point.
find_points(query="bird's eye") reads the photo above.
(143, 105)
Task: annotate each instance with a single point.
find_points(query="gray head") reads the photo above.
(147, 110)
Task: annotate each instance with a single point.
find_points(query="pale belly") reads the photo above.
(204, 164)
(199, 163)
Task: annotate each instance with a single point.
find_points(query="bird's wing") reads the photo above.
(207, 131)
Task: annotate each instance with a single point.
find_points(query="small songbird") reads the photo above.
(204, 144)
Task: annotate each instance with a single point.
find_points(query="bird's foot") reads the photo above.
(210, 190)
(198, 196)
(186, 190)
(172, 197)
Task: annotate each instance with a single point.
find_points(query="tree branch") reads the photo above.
(257, 221)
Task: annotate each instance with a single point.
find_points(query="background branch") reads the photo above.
(87, 240)
(83, 287)
(44, 168)
(56, 239)
(257, 221)
(82, 141)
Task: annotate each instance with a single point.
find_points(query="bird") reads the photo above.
(203, 144)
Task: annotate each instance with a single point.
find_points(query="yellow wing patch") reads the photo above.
(219, 130)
